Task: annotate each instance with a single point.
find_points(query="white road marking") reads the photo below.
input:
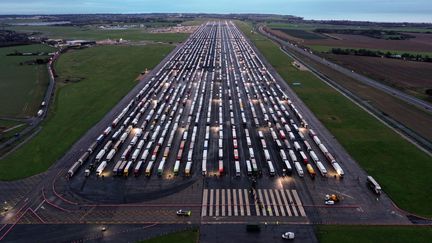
(268, 203)
(240, 195)
(211, 203)
(223, 202)
(246, 196)
(291, 202)
(204, 203)
(262, 202)
(217, 203)
(287, 209)
(299, 204)
(235, 202)
(229, 202)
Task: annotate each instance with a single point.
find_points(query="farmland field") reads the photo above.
(364, 234)
(421, 42)
(372, 144)
(93, 33)
(302, 34)
(79, 105)
(414, 77)
(22, 87)
(313, 26)
(319, 48)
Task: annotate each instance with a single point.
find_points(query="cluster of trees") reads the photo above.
(12, 38)
(373, 33)
(377, 53)
(38, 61)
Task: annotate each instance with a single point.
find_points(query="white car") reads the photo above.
(288, 235)
(329, 202)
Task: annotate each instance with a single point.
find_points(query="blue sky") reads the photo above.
(374, 10)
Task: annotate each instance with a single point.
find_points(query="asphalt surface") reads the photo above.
(213, 94)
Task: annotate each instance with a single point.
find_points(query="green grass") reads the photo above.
(107, 73)
(94, 33)
(321, 48)
(22, 87)
(187, 236)
(398, 165)
(302, 34)
(371, 234)
(15, 126)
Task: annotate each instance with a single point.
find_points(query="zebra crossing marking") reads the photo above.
(236, 202)
(268, 204)
(279, 202)
(246, 196)
(275, 206)
(291, 203)
(262, 202)
(286, 204)
(211, 203)
(223, 202)
(217, 203)
(204, 203)
(299, 204)
(229, 202)
(240, 195)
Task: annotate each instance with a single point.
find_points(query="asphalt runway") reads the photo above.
(215, 130)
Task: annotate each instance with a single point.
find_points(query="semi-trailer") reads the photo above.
(116, 167)
(338, 169)
(304, 157)
(101, 168)
(249, 167)
(176, 167)
(100, 155)
(188, 168)
(161, 167)
(321, 168)
(271, 168)
(127, 169)
(149, 168)
(73, 169)
(221, 168)
(237, 168)
(299, 169)
(288, 166)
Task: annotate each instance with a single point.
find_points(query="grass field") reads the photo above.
(93, 33)
(9, 128)
(22, 87)
(393, 161)
(187, 236)
(320, 48)
(107, 74)
(365, 234)
(302, 34)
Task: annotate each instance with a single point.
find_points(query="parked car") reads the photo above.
(182, 212)
(288, 236)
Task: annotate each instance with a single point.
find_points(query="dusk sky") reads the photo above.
(373, 10)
